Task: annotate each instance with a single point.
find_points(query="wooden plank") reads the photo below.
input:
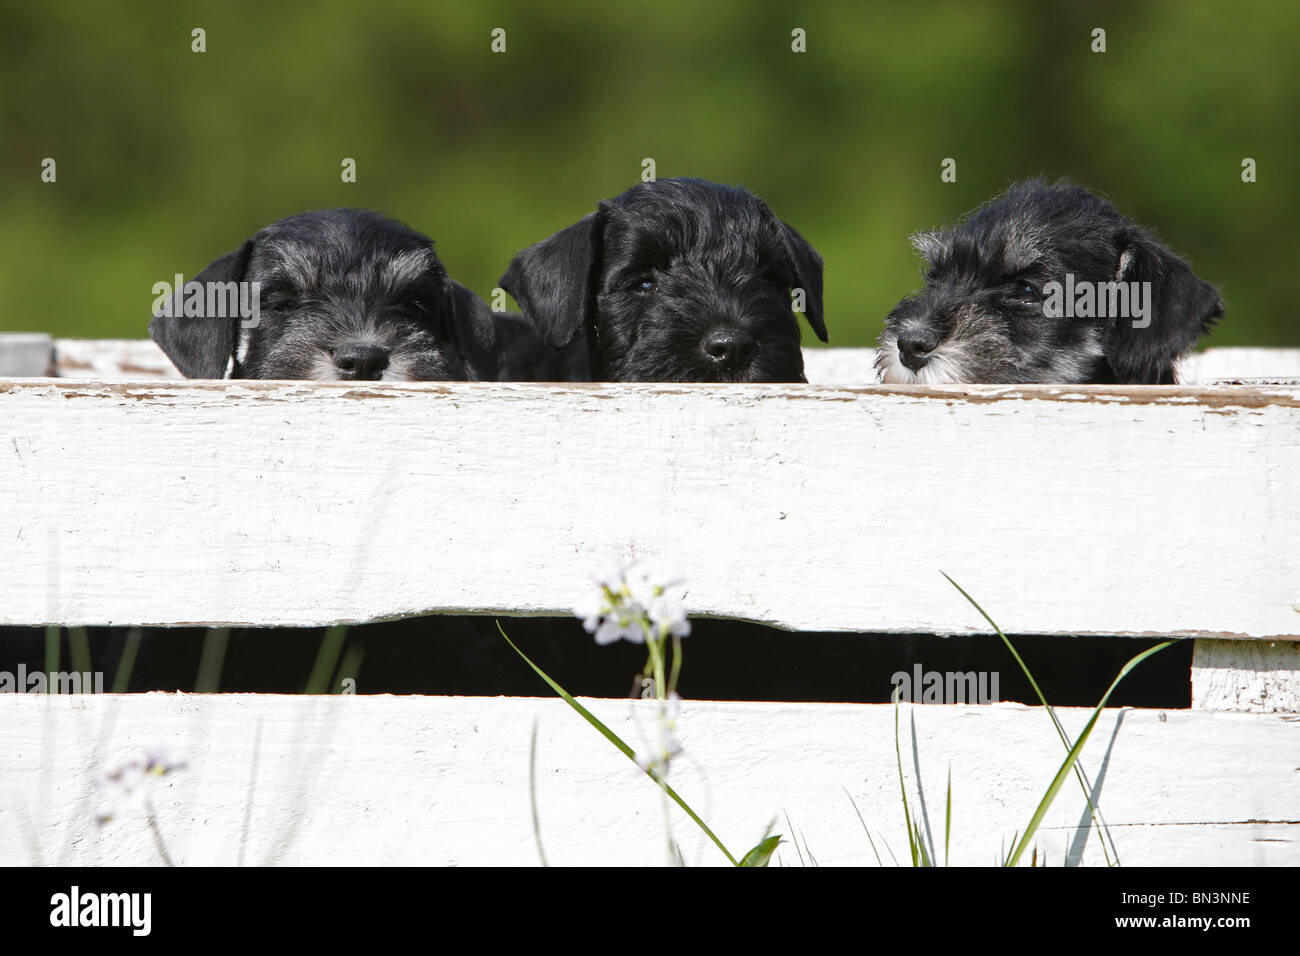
(410, 780)
(840, 366)
(110, 359)
(1261, 677)
(1097, 510)
(24, 355)
(141, 359)
(849, 366)
(1240, 364)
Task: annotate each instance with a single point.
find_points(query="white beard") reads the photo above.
(944, 366)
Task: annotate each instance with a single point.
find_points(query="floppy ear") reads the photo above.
(552, 280)
(808, 272)
(1181, 308)
(201, 346)
(471, 325)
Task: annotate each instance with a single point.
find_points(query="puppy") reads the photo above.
(1046, 284)
(678, 280)
(340, 294)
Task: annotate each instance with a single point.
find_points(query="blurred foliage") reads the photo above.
(169, 158)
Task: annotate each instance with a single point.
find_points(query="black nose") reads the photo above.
(730, 348)
(360, 361)
(914, 349)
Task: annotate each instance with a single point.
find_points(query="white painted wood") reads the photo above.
(411, 780)
(1251, 676)
(839, 366)
(1228, 364)
(1063, 510)
(835, 366)
(107, 359)
(25, 354)
(140, 358)
(113, 359)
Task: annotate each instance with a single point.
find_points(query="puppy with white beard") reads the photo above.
(339, 294)
(1046, 284)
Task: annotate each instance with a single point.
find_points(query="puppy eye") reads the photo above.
(644, 287)
(1022, 289)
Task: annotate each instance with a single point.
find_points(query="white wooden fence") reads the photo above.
(130, 497)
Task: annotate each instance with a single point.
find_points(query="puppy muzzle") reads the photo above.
(731, 350)
(360, 362)
(915, 348)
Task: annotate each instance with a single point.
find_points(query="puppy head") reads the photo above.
(995, 309)
(344, 294)
(676, 280)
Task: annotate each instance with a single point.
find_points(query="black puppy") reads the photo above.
(1046, 284)
(678, 280)
(337, 294)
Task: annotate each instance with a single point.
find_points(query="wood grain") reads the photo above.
(1082, 510)
(418, 781)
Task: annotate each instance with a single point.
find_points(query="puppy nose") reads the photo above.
(914, 350)
(360, 361)
(731, 348)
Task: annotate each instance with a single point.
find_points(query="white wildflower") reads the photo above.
(609, 573)
(621, 623)
(673, 706)
(633, 603)
(657, 765)
(668, 615)
(591, 609)
(615, 611)
(125, 788)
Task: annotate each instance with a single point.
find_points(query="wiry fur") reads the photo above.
(678, 280)
(341, 283)
(980, 317)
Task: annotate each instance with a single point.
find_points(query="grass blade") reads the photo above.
(126, 663)
(532, 794)
(52, 644)
(617, 741)
(1093, 810)
(1073, 755)
(879, 861)
(947, 820)
(794, 840)
(327, 659)
(212, 660)
(761, 854)
(350, 667)
(79, 651)
(902, 785)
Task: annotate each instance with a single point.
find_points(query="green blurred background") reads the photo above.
(169, 158)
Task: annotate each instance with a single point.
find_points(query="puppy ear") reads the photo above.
(808, 273)
(471, 329)
(551, 280)
(202, 346)
(929, 245)
(1180, 309)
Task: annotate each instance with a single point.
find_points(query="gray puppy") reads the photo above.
(339, 294)
(1046, 284)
